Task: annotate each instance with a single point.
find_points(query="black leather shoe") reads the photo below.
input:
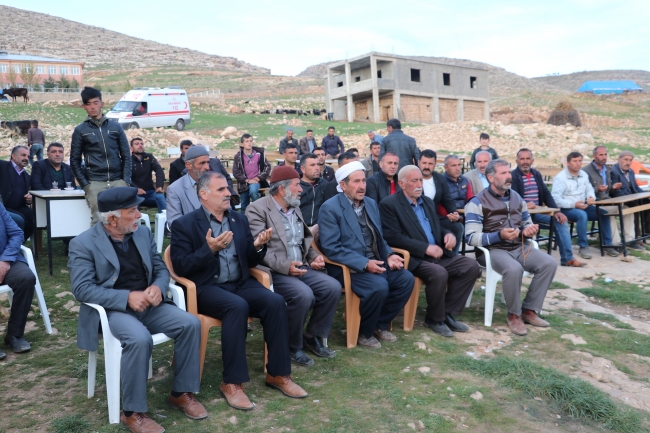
(440, 328)
(19, 345)
(455, 325)
(299, 357)
(315, 344)
(3, 355)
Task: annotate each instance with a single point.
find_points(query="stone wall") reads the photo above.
(417, 109)
(473, 110)
(447, 110)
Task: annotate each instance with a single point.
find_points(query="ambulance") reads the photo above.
(148, 107)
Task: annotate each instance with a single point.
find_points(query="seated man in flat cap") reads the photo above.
(351, 234)
(214, 247)
(115, 264)
(181, 195)
(410, 222)
(296, 266)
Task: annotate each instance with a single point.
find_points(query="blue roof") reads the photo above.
(21, 58)
(603, 87)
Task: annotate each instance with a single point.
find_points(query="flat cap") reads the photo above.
(120, 197)
(196, 151)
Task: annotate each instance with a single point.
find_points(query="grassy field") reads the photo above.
(399, 388)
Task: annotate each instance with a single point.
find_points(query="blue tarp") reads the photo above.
(604, 87)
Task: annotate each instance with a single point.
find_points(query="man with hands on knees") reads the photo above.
(496, 218)
(214, 247)
(296, 266)
(115, 264)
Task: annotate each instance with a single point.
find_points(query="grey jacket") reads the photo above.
(367, 164)
(474, 180)
(94, 268)
(596, 180)
(403, 145)
(105, 151)
(181, 199)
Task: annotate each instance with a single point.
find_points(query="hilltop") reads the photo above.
(572, 82)
(38, 34)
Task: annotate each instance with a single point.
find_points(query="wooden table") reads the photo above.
(619, 202)
(65, 214)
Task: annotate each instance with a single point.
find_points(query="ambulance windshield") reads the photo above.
(124, 106)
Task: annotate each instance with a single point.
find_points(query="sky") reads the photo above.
(527, 38)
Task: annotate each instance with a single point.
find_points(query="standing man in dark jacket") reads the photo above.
(52, 169)
(105, 149)
(332, 144)
(14, 189)
(288, 140)
(313, 189)
(529, 184)
(381, 185)
(400, 144)
(143, 164)
(178, 165)
(35, 142)
(251, 169)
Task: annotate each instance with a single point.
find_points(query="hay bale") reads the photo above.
(564, 113)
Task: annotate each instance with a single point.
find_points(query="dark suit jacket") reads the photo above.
(403, 230)
(378, 187)
(544, 195)
(42, 175)
(217, 167)
(443, 196)
(330, 190)
(7, 181)
(193, 259)
(176, 169)
(630, 187)
(340, 236)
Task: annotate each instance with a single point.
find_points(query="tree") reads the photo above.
(74, 84)
(12, 76)
(28, 75)
(49, 83)
(127, 85)
(64, 83)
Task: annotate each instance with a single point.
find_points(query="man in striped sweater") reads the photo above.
(497, 218)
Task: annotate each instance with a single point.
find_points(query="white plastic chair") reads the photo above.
(161, 222)
(145, 219)
(27, 253)
(492, 278)
(113, 356)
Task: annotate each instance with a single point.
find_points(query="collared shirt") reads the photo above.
(603, 172)
(423, 220)
(229, 270)
(123, 244)
(484, 180)
(312, 143)
(429, 187)
(358, 209)
(18, 170)
(294, 232)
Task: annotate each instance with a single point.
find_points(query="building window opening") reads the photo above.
(357, 79)
(446, 79)
(473, 84)
(379, 73)
(415, 75)
(339, 84)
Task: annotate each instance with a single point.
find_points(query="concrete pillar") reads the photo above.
(486, 110)
(328, 102)
(375, 116)
(435, 109)
(348, 78)
(396, 104)
(460, 109)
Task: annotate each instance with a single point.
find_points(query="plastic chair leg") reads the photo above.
(411, 307)
(469, 299)
(490, 293)
(92, 373)
(112, 359)
(205, 334)
(352, 320)
(161, 221)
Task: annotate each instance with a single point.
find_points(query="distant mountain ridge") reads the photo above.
(34, 33)
(573, 81)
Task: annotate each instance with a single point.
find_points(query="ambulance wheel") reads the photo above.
(134, 125)
(180, 125)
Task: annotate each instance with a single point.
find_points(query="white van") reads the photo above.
(147, 107)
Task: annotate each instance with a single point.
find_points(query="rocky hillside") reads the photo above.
(501, 81)
(33, 33)
(572, 82)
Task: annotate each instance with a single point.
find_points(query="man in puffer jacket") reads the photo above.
(104, 148)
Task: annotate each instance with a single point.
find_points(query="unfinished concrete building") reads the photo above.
(376, 87)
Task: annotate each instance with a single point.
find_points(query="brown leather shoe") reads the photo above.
(188, 403)
(141, 423)
(516, 325)
(235, 397)
(574, 263)
(531, 317)
(286, 385)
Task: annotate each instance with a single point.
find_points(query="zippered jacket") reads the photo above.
(104, 149)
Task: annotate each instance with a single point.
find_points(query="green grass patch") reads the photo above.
(558, 285)
(619, 293)
(604, 317)
(71, 424)
(574, 397)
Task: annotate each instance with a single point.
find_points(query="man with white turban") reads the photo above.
(351, 234)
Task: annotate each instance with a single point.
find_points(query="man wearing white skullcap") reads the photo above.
(351, 234)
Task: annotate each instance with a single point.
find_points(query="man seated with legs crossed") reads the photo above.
(351, 234)
(214, 247)
(296, 267)
(497, 218)
(410, 222)
(115, 264)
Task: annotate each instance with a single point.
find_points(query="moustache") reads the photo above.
(417, 190)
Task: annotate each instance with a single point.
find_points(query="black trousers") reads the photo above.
(456, 227)
(22, 281)
(28, 216)
(449, 282)
(233, 303)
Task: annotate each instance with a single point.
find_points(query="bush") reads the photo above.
(49, 84)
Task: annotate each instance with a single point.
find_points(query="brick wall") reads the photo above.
(361, 111)
(385, 108)
(473, 110)
(417, 109)
(447, 110)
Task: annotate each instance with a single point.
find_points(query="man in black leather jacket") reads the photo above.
(104, 148)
